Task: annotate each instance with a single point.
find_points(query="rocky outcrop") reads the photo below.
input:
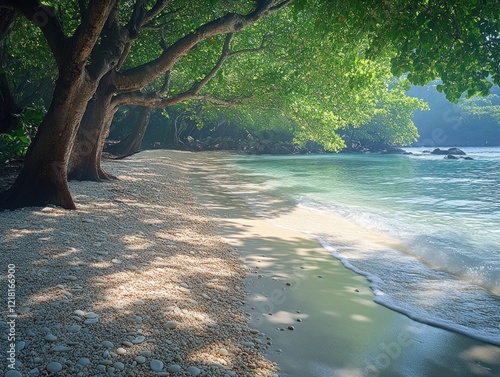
(450, 151)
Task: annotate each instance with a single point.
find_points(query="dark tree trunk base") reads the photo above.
(95, 174)
(31, 191)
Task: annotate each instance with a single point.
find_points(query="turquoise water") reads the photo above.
(446, 212)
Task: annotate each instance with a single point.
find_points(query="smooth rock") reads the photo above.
(50, 338)
(223, 352)
(54, 367)
(193, 371)
(91, 315)
(248, 344)
(146, 353)
(121, 351)
(127, 343)
(74, 328)
(119, 365)
(156, 365)
(140, 359)
(107, 344)
(79, 312)
(139, 339)
(171, 324)
(83, 362)
(20, 345)
(139, 302)
(91, 321)
(61, 348)
(174, 368)
(13, 373)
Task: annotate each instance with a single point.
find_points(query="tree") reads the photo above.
(94, 59)
(392, 123)
(85, 64)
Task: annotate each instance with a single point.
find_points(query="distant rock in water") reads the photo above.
(453, 157)
(393, 150)
(450, 151)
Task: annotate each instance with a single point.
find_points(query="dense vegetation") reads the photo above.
(319, 69)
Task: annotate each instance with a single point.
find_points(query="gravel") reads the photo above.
(136, 274)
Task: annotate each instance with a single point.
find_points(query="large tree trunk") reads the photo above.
(85, 160)
(43, 179)
(132, 143)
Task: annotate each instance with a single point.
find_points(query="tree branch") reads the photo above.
(88, 32)
(45, 18)
(140, 76)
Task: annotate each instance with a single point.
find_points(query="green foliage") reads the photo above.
(392, 123)
(15, 144)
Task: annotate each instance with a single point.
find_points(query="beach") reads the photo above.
(164, 272)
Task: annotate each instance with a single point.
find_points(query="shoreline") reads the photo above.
(388, 343)
(167, 266)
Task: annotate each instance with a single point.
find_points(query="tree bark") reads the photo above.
(85, 160)
(43, 179)
(132, 143)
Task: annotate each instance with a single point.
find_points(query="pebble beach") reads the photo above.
(135, 282)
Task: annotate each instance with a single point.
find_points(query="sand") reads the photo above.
(135, 282)
(338, 330)
(147, 253)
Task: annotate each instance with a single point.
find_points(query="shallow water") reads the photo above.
(443, 266)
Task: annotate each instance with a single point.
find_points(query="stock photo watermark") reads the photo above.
(11, 316)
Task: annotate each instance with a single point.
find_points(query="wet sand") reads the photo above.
(338, 330)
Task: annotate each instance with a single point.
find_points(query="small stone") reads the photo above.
(127, 343)
(184, 289)
(171, 324)
(119, 365)
(50, 338)
(12, 373)
(91, 321)
(121, 351)
(356, 290)
(320, 276)
(223, 352)
(248, 344)
(70, 278)
(79, 312)
(146, 353)
(20, 345)
(74, 328)
(54, 367)
(91, 315)
(107, 344)
(299, 320)
(61, 348)
(83, 362)
(174, 368)
(291, 328)
(156, 365)
(140, 359)
(139, 302)
(193, 371)
(139, 339)
(23, 309)
(116, 261)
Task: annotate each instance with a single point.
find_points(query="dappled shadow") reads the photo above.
(142, 257)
